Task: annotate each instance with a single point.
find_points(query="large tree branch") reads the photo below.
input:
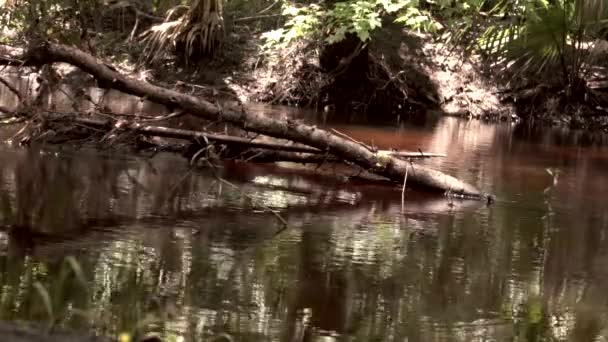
(241, 148)
(383, 165)
(201, 138)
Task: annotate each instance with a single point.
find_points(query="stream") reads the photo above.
(114, 243)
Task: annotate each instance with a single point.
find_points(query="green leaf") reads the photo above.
(291, 11)
(363, 35)
(274, 35)
(338, 36)
(392, 8)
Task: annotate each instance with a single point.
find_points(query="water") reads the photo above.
(161, 249)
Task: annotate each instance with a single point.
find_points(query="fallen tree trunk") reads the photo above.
(184, 134)
(303, 154)
(384, 165)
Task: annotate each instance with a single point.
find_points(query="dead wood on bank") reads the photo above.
(381, 164)
(69, 127)
(247, 148)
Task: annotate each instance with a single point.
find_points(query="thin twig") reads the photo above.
(345, 62)
(12, 89)
(178, 183)
(403, 191)
(406, 155)
(391, 79)
(195, 157)
(12, 120)
(21, 131)
(277, 215)
(90, 128)
(70, 97)
(343, 135)
(256, 17)
(8, 111)
(269, 7)
(135, 26)
(254, 156)
(164, 117)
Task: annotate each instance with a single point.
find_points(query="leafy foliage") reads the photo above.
(521, 36)
(359, 17)
(534, 36)
(55, 19)
(302, 22)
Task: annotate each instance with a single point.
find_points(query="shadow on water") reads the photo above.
(190, 257)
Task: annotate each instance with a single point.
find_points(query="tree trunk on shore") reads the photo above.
(381, 164)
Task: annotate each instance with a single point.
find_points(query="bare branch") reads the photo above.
(12, 88)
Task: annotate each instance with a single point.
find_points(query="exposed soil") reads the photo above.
(398, 75)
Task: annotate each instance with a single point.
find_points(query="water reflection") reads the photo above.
(187, 256)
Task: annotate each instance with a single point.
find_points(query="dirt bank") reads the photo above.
(399, 74)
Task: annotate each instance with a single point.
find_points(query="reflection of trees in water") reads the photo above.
(200, 265)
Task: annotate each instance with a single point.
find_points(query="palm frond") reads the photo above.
(540, 34)
(198, 31)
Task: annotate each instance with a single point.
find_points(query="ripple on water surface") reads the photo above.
(186, 255)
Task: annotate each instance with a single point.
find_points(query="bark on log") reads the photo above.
(302, 154)
(387, 166)
(195, 136)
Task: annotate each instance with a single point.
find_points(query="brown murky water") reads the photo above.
(181, 254)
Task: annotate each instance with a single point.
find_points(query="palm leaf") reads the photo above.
(199, 30)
